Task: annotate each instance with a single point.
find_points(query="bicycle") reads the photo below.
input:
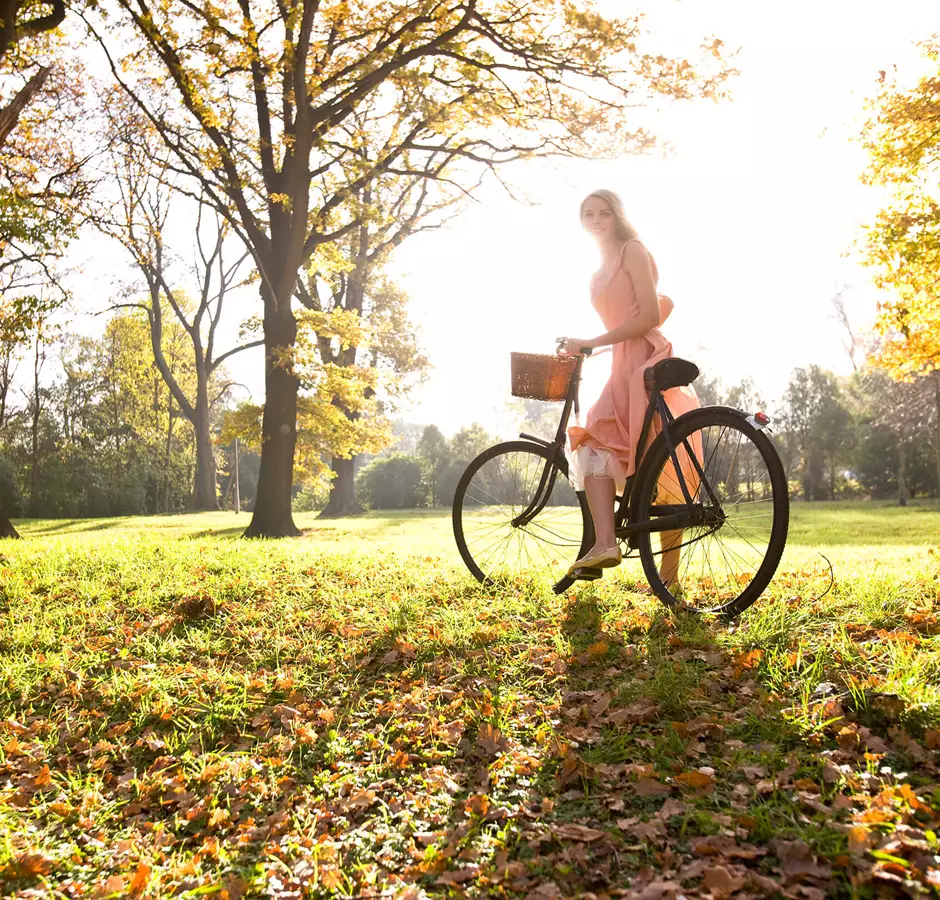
(710, 483)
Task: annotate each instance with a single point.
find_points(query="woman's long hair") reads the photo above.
(625, 231)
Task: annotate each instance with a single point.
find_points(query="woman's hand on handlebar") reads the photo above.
(569, 346)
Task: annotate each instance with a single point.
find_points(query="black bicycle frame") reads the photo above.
(667, 517)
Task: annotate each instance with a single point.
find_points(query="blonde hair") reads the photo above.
(624, 230)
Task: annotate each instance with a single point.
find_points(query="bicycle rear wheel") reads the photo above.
(494, 490)
(723, 563)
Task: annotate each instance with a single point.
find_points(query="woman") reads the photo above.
(603, 453)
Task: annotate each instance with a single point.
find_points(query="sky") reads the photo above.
(751, 215)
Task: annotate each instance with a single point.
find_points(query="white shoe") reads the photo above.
(601, 559)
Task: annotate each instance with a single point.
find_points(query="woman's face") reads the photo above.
(597, 219)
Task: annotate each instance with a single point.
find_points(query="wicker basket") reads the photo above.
(540, 376)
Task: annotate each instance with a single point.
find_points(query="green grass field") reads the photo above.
(348, 714)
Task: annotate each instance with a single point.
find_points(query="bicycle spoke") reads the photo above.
(718, 560)
(498, 491)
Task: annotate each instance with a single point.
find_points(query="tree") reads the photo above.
(903, 244)
(470, 442)
(21, 21)
(816, 422)
(43, 185)
(255, 100)
(903, 410)
(435, 453)
(356, 287)
(139, 222)
(745, 395)
(710, 391)
(389, 209)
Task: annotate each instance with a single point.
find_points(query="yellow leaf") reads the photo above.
(140, 879)
(858, 839)
(695, 779)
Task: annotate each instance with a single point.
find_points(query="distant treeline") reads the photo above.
(861, 437)
(101, 435)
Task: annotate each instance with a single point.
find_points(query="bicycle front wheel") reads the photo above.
(725, 561)
(497, 487)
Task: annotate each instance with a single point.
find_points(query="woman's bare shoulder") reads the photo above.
(634, 250)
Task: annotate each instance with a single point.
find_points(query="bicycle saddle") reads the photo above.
(670, 373)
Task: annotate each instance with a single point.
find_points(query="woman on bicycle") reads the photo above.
(603, 453)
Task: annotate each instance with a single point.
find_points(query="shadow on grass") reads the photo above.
(555, 758)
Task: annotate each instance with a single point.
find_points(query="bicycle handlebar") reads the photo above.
(586, 351)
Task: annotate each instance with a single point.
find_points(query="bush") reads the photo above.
(447, 478)
(394, 482)
(312, 496)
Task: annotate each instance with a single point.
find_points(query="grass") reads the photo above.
(348, 713)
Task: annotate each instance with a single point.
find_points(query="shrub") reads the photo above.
(394, 482)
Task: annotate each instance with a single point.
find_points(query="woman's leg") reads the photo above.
(600, 497)
(670, 492)
(669, 542)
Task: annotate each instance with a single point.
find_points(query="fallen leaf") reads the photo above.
(696, 779)
(859, 839)
(118, 730)
(650, 787)
(657, 890)
(490, 739)
(574, 832)
(361, 800)
(477, 805)
(27, 865)
(331, 878)
(459, 876)
(600, 707)
(748, 660)
(113, 885)
(140, 878)
(797, 860)
(636, 713)
(234, 888)
(721, 882)
(598, 649)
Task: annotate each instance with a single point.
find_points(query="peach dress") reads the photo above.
(606, 445)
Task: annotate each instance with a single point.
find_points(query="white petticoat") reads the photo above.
(587, 460)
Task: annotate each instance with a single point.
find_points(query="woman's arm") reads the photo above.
(636, 263)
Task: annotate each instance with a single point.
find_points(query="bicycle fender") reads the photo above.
(559, 454)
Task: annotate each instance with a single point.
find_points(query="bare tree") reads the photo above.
(139, 221)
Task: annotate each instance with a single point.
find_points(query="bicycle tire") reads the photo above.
(464, 504)
(657, 462)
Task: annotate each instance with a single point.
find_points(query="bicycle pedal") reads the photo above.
(588, 574)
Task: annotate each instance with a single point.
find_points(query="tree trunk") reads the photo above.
(6, 527)
(10, 114)
(903, 494)
(272, 513)
(205, 494)
(168, 454)
(34, 434)
(342, 500)
(936, 384)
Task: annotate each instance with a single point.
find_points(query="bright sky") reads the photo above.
(750, 217)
